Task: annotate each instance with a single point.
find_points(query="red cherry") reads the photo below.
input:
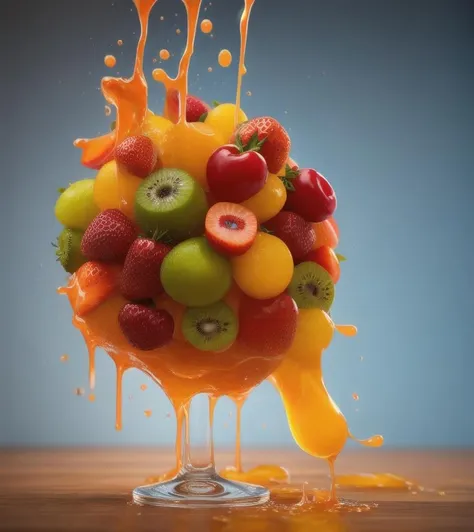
(313, 197)
(230, 228)
(235, 176)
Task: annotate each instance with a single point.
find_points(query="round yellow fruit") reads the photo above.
(222, 119)
(265, 270)
(269, 201)
(116, 189)
(313, 334)
(155, 128)
(188, 146)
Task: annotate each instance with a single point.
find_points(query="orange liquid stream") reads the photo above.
(315, 421)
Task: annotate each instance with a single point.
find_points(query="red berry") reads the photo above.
(235, 176)
(195, 107)
(95, 282)
(141, 272)
(137, 155)
(144, 327)
(309, 194)
(267, 326)
(230, 228)
(108, 237)
(327, 258)
(295, 232)
(275, 141)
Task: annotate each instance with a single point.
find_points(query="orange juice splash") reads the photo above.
(224, 58)
(164, 54)
(244, 26)
(110, 61)
(206, 26)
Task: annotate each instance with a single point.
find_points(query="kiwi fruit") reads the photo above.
(68, 250)
(311, 286)
(171, 200)
(211, 328)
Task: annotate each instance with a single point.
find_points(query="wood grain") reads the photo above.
(90, 489)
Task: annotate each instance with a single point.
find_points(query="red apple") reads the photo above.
(235, 176)
(327, 258)
(310, 195)
(267, 326)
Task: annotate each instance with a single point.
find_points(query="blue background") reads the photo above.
(377, 95)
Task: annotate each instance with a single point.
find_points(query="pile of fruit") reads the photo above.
(248, 222)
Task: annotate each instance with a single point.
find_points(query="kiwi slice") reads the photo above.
(68, 250)
(312, 286)
(210, 328)
(171, 200)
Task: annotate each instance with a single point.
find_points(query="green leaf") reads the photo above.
(113, 125)
(263, 229)
(203, 117)
(290, 174)
(61, 190)
(340, 257)
(215, 103)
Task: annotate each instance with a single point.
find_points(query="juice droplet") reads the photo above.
(346, 330)
(164, 54)
(148, 413)
(107, 110)
(209, 69)
(355, 397)
(143, 387)
(64, 358)
(244, 26)
(91, 397)
(119, 42)
(178, 31)
(79, 391)
(110, 61)
(155, 60)
(248, 93)
(159, 75)
(168, 414)
(206, 26)
(373, 441)
(162, 17)
(224, 58)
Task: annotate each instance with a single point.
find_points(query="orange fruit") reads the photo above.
(269, 201)
(266, 269)
(116, 189)
(155, 128)
(326, 234)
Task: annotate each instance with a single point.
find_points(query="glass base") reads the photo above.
(192, 490)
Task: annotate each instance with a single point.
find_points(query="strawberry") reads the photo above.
(269, 137)
(267, 326)
(141, 272)
(231, 229)
(296, 233)
(95, 282)
(137, 155)
(144, 327)
(195, 107)
(108, 237)
(327, 258)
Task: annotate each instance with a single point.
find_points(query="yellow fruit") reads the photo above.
(108, 195)
(269, 201)
(188, 147)
(155, 128)
(266, 269)
(222, 119)
(313, 334)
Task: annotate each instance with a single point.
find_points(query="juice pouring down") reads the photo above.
(203, 255)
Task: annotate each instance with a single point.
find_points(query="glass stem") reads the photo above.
(197, 444)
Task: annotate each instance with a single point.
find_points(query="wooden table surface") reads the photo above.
(89, 489)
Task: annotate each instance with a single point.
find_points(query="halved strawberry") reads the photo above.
(108, 237)
(97, 151)
(195, 107)
(269, 137)
(94, 282)
(137, 155)
(327, 258)
(141, 272)
(231, 229)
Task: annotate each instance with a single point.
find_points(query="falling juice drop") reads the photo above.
(178, 31)
(206, 26)
(209, 69)
(148, 413)
(110, 61)
(119, 42)
(164, 54)
(225, 58)
(143, 387)
(107, 110)
(64, 358)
